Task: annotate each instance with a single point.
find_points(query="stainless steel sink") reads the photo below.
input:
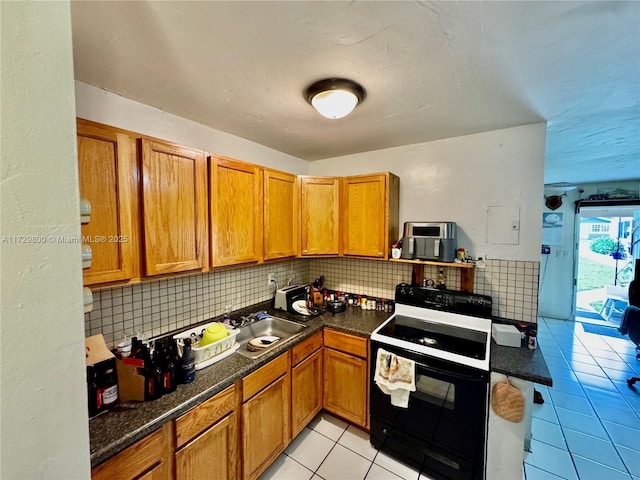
(271, 326)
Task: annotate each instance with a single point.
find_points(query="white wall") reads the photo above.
(105, 107)
(557, 270)
(43, 398)
(457, 179)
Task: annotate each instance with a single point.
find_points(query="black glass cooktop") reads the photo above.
(448, 338)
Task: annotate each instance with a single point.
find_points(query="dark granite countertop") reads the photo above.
(116, 429)
(520, 362)
(112, 431)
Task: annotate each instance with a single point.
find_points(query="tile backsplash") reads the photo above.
(153, 308)
(157, 307)
(513, 285)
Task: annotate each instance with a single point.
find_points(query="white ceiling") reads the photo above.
(432, 70)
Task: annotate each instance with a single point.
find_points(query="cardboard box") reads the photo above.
(130, 379)
(96, 350)
(506, 335)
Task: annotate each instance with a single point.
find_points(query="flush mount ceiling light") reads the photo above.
(334, 97)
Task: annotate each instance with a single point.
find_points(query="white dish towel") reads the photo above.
(396, 376)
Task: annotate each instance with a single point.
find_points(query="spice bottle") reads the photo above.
(532, 341)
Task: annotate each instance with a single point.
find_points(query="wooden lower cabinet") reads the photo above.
(346, 377)
(148, 459)
(306, 391)
(161, 472)
(265, 427)
(211, 455)
(207, 439)
(260, 413)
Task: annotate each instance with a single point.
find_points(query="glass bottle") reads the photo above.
(108, 387)
(150, 390)
(188, 363)
(169, 382)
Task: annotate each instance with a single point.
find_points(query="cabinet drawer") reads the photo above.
(204, 415)
(264, 376)
(346, 343)
(133, 461)
(306, 348)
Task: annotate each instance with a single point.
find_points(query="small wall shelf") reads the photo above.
(467, 272)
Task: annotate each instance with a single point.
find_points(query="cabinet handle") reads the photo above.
(304, 251)
(379, 253)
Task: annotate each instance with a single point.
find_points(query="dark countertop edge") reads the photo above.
(343, 322)
(314, 325)
(101, 454)
(520, 363)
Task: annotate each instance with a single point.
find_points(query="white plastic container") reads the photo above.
(212, 352)
(506, 335)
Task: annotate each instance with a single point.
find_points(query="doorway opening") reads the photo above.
(607, 244)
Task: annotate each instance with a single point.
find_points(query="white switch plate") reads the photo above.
(271, 278)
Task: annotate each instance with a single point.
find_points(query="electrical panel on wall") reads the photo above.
(503, 225)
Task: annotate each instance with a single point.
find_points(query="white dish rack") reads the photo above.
(213, 352)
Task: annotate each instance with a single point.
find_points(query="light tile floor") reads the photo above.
(589, 425)
(588, 428)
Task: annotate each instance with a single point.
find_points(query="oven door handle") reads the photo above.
(445, 373)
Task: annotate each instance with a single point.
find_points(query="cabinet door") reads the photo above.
(174, 206)
(161, 472)
(212, 455)
(306, 391)
(345, 386)
(363, 216)
(107, 168)
(281, 212)
(236, 211)
(320, 207)
(265, 427)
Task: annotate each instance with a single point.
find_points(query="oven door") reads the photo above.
(442, 432)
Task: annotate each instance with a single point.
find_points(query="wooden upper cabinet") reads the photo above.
(174, 207)
(236, 211)
(281, 213)
(319, 213)
(107, 168)
(369, 217)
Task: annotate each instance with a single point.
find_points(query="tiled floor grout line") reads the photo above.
(335, 442)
